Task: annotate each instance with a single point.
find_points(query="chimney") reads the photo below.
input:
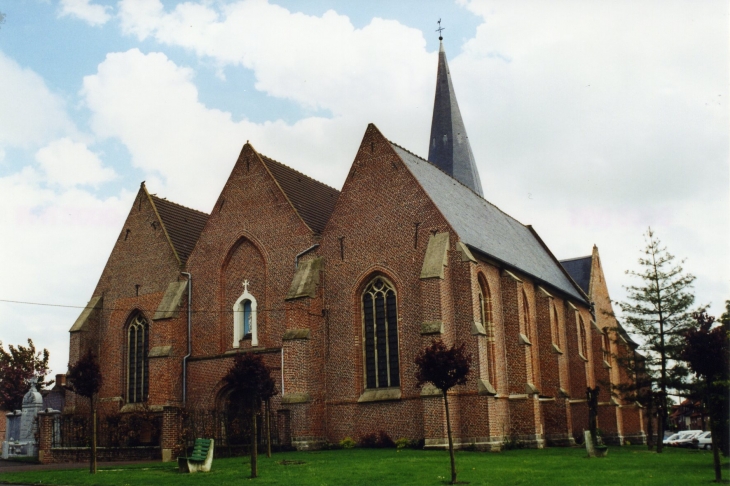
(60, 382)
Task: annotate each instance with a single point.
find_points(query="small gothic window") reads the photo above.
(244, 318)
(526, 312)
(556, 327)
(606, 347)
(137, 363)
(582, 338)
(485, 311)
(380, 326)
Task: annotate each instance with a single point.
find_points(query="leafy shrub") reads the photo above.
(384, 441)
(627, 442)
(381, 440)
(369, 441)
(402, 443)
(347, 443)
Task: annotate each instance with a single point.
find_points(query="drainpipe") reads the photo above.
(282, 371)
(190, 343)
(296, 258)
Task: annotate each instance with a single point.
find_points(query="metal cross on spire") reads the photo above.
(440, 29)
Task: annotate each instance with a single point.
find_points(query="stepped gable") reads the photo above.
(484, 227)
(449, 147)
(313, 200)
(183, 225)
(580, 270)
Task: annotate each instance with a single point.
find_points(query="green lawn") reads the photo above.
(624, 465)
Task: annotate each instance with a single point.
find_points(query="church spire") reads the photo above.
(449, 148)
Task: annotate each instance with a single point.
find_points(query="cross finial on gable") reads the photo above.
(245, 286)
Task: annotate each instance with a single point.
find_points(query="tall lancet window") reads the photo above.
(137, 363)
(244, 318)
(485, 313)
(380, 327)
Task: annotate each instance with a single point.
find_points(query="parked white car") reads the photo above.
(703, 441)
(685, 438)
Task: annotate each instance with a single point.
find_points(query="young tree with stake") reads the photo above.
(250, 380)
(444, 368)
(85, 379)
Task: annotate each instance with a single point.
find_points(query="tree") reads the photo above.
(17, 366)
(444, 368)
(657, 310)
(85, 379)
(707, 351)
(250, 380)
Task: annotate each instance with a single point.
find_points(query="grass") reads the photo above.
(633, 465)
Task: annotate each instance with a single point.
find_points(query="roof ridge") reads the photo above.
(267, 158)
(179, 205)
(458, 181)
(575, 258)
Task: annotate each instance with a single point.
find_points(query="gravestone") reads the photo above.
(20, 430)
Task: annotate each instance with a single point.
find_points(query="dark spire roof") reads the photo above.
(449, 148)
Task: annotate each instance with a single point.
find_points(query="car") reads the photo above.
(685, 438)
(703, 441)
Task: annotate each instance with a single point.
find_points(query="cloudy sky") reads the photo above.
(589, 120)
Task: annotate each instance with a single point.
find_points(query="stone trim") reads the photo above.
(595, 326)
(292, 398)
(94, 304)
(111, 399)
(606, 365)
(531, 389)
(160, 352)
(577, 400)
(582, 357)
(516, 396)
(563, 393)
(524, 340)
(465, 253)
(428, 390)
(171, 301)
(432, 327)
(436, 256)
(512, 276)
(306, 279)
(556, 349)
(293, 334)
(140, 407)
(544, 292)
(485, 388)
(572, 306)
(380, 395)
(477, 329)
(546, 399)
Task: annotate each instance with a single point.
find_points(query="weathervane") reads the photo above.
(440, 29)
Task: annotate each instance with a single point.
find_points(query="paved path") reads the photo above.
(15, 466)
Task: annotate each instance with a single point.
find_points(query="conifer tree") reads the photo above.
(657, 310)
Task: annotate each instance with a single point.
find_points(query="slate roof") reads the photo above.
(580, 270)
(449, 147)
(484, 227)
(183, 225)
(313, 200)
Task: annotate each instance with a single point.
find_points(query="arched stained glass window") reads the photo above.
(485, 311)
(137, 362)
(582, 339)
(380, 326)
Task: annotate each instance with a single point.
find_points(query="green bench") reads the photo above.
(200, 460)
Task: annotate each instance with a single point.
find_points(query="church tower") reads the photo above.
(449, 148)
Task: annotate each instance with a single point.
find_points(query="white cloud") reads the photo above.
(55, 245)
(30, 114)
(85, 10)
(67, 163)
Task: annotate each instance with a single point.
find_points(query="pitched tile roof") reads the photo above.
(183, 225)
(580, 270)
(313, 200)
(483, 226)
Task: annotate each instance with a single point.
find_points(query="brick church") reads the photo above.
(339, 290)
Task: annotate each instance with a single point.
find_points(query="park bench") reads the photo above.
(200, 460)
